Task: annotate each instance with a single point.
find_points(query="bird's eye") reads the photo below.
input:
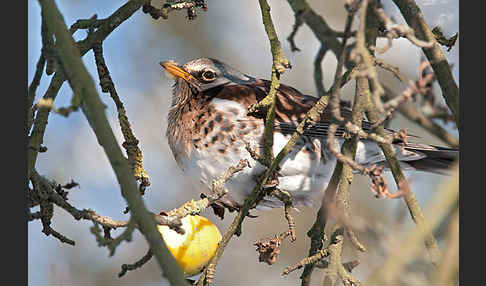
(208, 75)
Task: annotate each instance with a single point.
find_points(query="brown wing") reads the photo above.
(291, 107)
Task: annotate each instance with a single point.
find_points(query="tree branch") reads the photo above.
(103, 31)
(389, 152)
(414, 17)
(83, 85)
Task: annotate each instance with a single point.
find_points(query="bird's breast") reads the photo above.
(219, 139)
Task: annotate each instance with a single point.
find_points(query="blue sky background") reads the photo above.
(230, 31)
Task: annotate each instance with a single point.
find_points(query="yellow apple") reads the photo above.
(193, 249)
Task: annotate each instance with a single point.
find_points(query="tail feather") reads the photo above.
(437, 159)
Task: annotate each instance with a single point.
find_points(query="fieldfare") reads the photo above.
(209, 127)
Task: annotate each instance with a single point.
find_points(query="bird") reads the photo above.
(209, 127)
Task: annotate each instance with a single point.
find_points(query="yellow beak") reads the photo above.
(177, 71)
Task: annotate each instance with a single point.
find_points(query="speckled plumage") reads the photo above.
(209, 125)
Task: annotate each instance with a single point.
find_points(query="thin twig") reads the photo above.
(49, 104)
(322, 31)
(394, 31)
(48, 51)
(91, 23)
(291, 222)
(218, 191)
(306, 261)
(280, 64)
(298, 23)
(366, 58)
(390, 106)
(318, 80)
(32, 89)
(349, 266)
(394, 70)
(164, 11)
(112, 243)
(139, 263)
(41, 188)
(335, 89)
(36, 80)
(36, 137)
(134, 153)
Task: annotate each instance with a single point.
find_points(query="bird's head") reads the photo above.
(204, 74)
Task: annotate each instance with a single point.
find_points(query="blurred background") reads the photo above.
(231, 31)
